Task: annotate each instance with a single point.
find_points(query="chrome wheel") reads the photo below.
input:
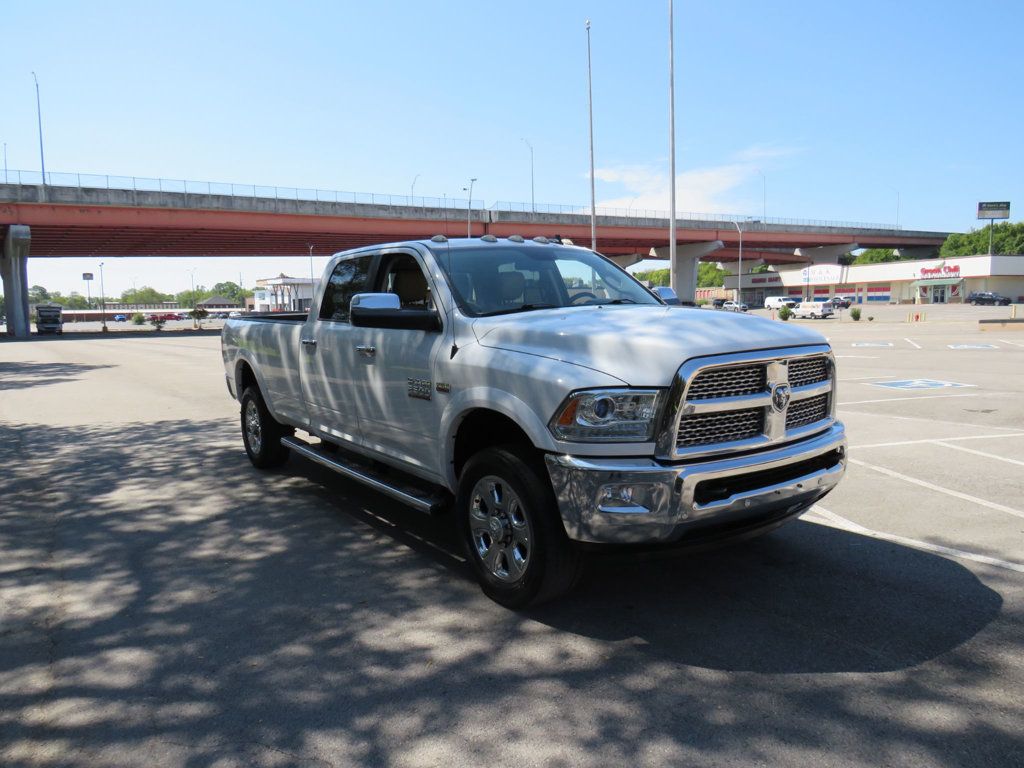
(500, 529)
(253, 427)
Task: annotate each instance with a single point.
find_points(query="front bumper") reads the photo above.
(643, 501)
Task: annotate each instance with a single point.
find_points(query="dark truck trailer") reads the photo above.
(49, 319)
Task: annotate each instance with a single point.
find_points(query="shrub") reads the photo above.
(785, 313)
(870, 318)
(855, 313)
(157, 323)
(197, 315)
(138, 319)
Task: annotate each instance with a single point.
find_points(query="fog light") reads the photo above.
(625, 499)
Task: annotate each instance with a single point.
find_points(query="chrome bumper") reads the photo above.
(634, 501)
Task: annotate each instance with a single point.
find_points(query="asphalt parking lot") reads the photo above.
(162, 603)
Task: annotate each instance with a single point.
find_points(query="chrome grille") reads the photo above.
(807, 370)
(803, 412)
(724, 427)
(732, 381)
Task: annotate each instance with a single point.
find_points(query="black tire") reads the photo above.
(261, 433)
(515, 577)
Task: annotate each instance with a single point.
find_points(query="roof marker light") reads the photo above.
(439, 239)
(516, 238)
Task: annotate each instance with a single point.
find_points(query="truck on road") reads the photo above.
(49, 318)
(544, 400)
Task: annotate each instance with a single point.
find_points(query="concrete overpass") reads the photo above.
(112, 221)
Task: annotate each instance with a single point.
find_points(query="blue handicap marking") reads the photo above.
(972, 346)
(872, 343)
(919, 384)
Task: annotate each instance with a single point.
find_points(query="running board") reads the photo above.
(417, 498)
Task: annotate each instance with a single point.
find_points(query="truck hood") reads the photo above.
(641, 346)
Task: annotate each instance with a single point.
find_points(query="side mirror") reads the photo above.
(384, 310)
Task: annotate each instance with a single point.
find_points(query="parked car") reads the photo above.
(667, 295)
(718, 303)
(988, 297)
(840, 301)
(120, 318)
(467, 376)
(735, 306)
(814, 309)
(777, 302)
(165, 316)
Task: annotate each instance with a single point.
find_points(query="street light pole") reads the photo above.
(5, 162)
(412, 189)
(103, 300)
(673, 278)
(312, 278)
(39, 116)
(533, 200)
(739, 268)
(764, 195)
(469, 210)
(590, 109)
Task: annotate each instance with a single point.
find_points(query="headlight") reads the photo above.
(607, 415)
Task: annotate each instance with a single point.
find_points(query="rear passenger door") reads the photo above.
(328, 355)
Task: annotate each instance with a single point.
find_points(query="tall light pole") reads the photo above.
(5, 162)
(312, 277)
(469, 209)
(673, 278)
(764, 195)
(590, 109)
(192, 276)
(412, 189)
(39, 116)
(739, 267)
(533, 200)
(103, 301)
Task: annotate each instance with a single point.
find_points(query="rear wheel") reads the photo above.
(261, 432)
(508, 521)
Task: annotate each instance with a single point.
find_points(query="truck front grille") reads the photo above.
(728, 405)
(728, 382)
(724, 427)
(808, 411)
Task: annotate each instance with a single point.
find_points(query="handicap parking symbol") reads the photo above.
(972, 346)
(919, 384)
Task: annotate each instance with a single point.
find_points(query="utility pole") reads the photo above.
(312, 278)
(469, 209)
(42, 160)
(103, 301)
(590, 108)
(673, 278)
(412, 189)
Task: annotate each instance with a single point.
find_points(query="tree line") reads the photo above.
(37, 294)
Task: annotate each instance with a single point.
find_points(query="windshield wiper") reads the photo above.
(520, 308)
(620, 301)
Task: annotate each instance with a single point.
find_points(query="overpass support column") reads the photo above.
(628, 260)
(825, 254)
(687, 258)
(13, 269)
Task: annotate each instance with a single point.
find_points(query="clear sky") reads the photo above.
(834, 110)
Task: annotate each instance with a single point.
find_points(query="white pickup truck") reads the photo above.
(545, 399)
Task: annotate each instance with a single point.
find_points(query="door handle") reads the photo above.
(366, 350)
(308, 342)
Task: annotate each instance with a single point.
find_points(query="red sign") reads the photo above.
(943, 270)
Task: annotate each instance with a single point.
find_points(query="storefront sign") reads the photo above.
(942, 270)
(822, 273)
(766, 279)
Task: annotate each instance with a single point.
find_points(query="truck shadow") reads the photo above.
(22, 375)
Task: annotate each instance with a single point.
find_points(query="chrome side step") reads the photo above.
(417, 498)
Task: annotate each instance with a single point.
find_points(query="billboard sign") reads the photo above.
(87, 276)
(994, 210)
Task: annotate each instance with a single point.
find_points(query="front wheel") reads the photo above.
(261, 432)
(508, 521)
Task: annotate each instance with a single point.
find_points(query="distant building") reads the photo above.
(217, 302)
(283, 294)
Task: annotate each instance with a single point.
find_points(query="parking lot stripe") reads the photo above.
(865, 378)
(933, 421)
(860, 357)
(980, 453)
(910, 397)
(1014, 343)
(915, 346)
(940, 489)
(836, 521)
(936, 440)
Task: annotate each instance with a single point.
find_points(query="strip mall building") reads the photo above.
(935, 281)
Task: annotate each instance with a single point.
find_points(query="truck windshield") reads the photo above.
(494, 281)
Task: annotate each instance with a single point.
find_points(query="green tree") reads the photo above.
(876, 256)
(708, 276)
(144, 295)
(38, 295)
(3, 305)
(189, 298)
(232, 291)
(1007, 237)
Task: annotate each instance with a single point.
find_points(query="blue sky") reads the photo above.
(836, 109)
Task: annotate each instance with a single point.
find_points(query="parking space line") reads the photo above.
(979, 453)
(864, 378)
(899, 399)
(836, 521)
(915, 346)
(860, 357)
(933, 421)
(1014, 343)
(939, 488)
(936, 440)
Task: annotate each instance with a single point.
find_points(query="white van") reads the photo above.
(814, 309)
(777, 302)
